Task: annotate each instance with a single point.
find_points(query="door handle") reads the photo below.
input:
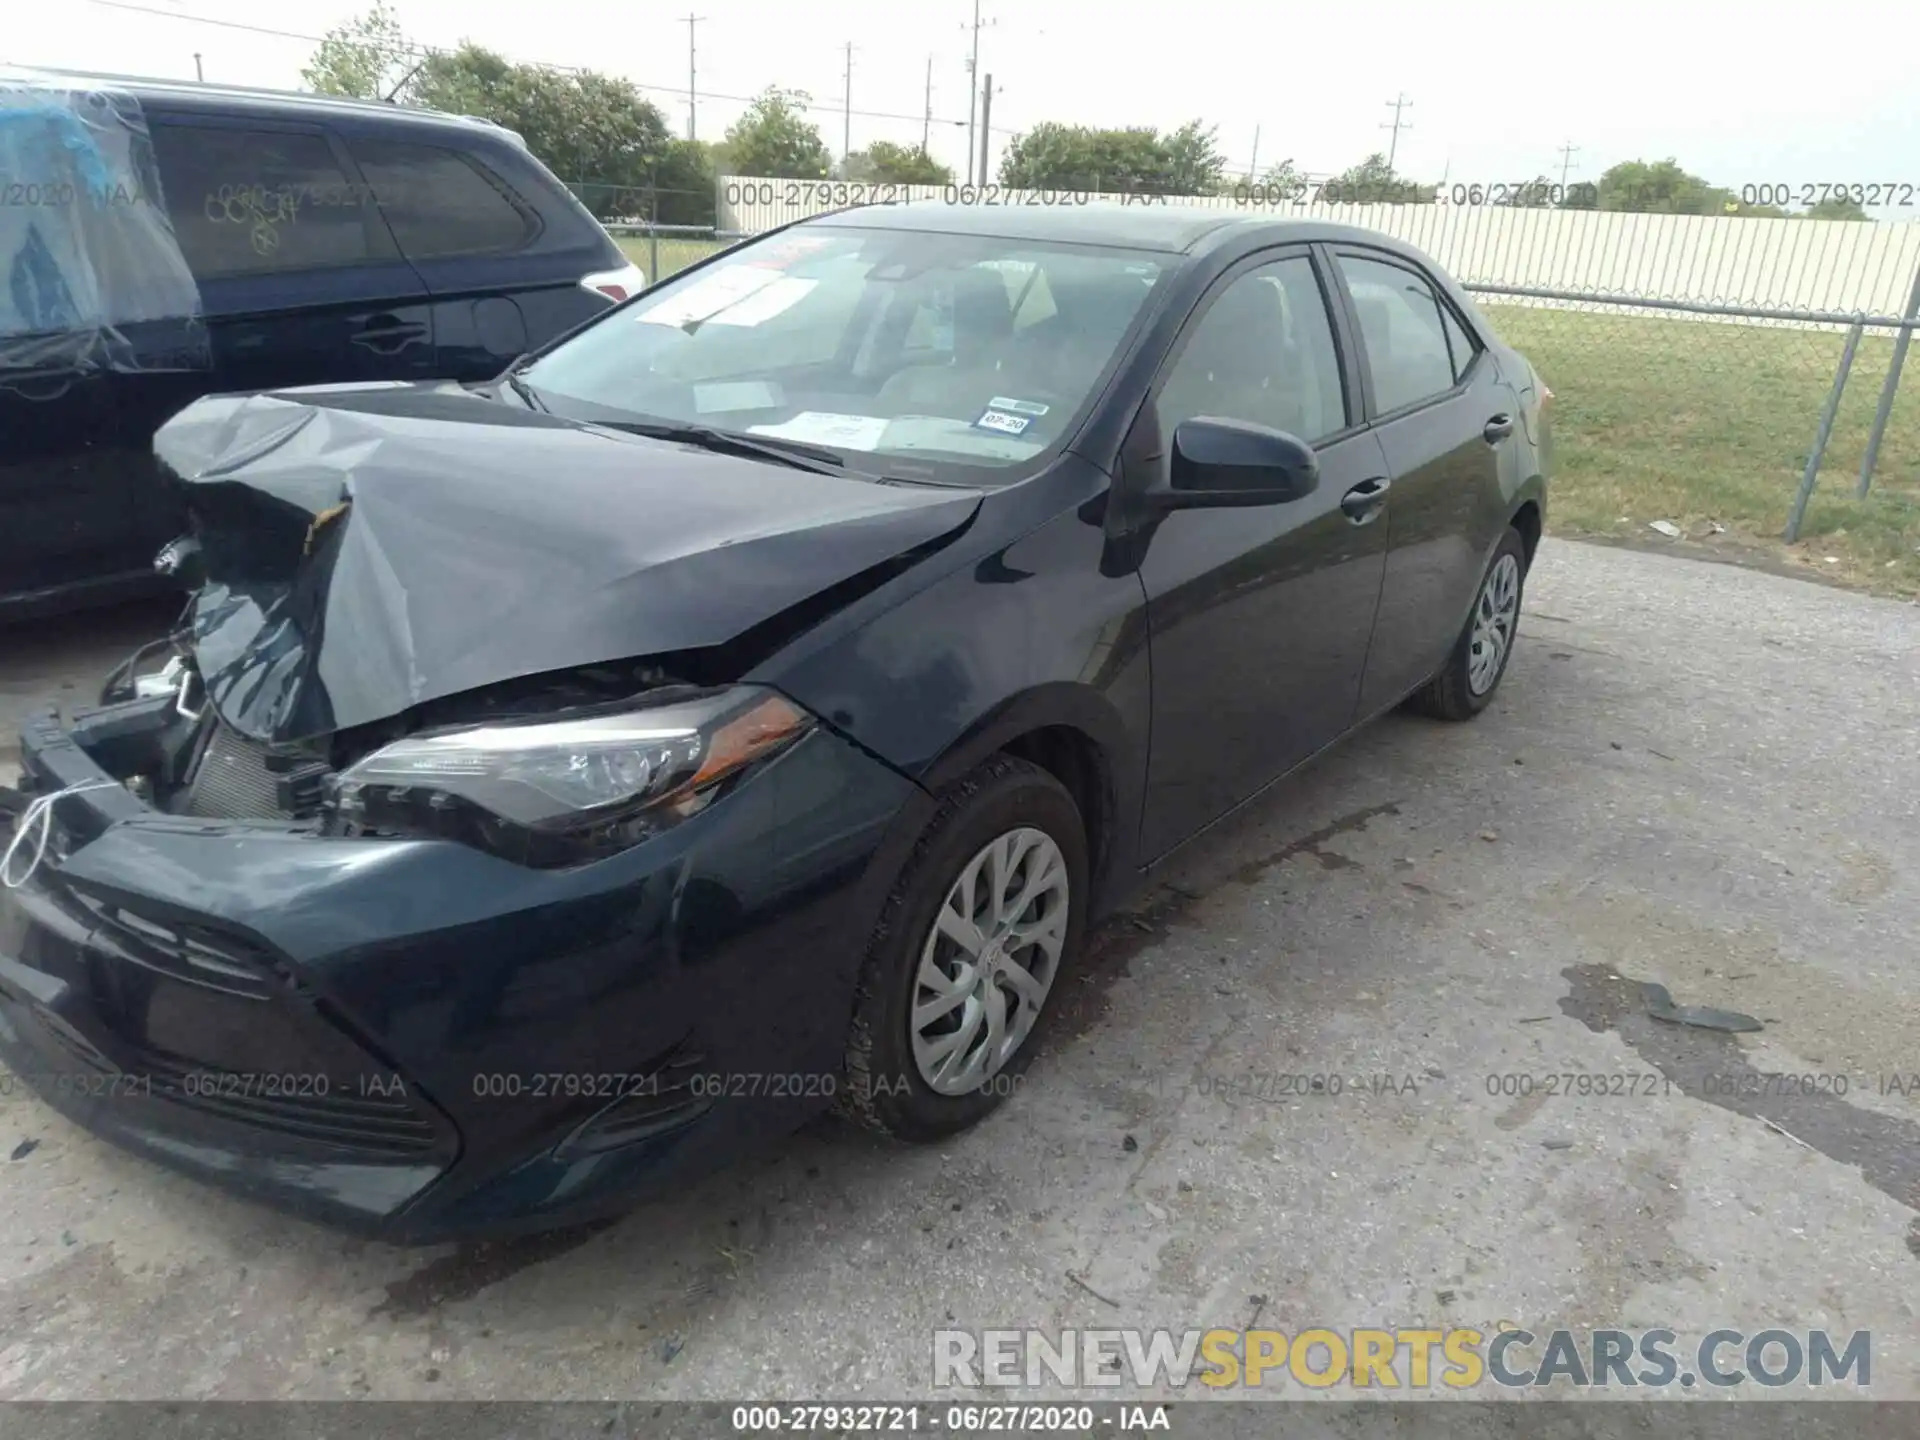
(1365, 500)
(387, 332)
(1498, 428)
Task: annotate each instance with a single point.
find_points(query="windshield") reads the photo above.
(957, 357)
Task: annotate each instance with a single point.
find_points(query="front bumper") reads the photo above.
(414, 1039)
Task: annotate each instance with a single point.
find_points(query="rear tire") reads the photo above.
(1467, 682)
(960, 947)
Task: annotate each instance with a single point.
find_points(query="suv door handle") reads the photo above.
(1498, 428)
(386, 333)
(1366, 500)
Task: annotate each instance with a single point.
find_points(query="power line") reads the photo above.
(693, 94)
(846, 130)
(1567, 152)
(414, 48)
(1397, 104)
(973, 86)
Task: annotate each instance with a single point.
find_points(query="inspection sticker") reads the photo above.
(1019, 407)
(1003, 423)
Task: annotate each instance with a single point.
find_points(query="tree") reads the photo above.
(1194, 162)
(685, 180)
(368, 58)
(888, 164)
(596, 131)
(1837, 207)
(1133, 160)
(1374, 182)
(1660, 188)
(774, 138)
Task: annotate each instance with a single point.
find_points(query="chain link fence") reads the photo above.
(1704, 420)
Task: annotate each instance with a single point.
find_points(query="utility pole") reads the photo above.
(973, 88)
(1397, 104)
(846, 121)
(926, 124)
(690, 21)
(986, 131)
(198, 73)
(1567, 152)
(1253, 165)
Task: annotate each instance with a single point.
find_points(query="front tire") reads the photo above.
(1467, 682)
(970, 947)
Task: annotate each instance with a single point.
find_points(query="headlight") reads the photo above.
(559, 792)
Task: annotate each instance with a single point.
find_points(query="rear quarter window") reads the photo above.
(442, 202)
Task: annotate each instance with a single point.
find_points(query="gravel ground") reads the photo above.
(1695, 775)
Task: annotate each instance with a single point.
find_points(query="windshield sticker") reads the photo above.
(1001, 423)
(783, 253)
(1018, 407)
(822, 427)
(707, 296)
(765, 303)
(723, 396)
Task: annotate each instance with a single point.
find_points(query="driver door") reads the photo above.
(1260, 616)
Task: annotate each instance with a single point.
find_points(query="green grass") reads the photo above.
(676, 252)
(1699, 422)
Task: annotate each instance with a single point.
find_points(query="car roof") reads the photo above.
(248, 100)
(1172, 227)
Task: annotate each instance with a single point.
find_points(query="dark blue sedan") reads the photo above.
(744, 706)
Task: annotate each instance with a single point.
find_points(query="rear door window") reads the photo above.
(258, 201)
(441, 202)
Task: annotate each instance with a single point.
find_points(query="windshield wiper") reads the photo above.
(511, 377)
(795, 453)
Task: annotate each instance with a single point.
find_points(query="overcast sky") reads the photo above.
(1739, 93)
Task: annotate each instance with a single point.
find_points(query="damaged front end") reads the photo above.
(420, 612)
(418, 878)
(556, 772)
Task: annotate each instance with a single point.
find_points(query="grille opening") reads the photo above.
(237, 778)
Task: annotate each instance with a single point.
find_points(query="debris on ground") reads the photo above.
(670, 1347)
(24, 1149)
(1104, 1299)
(1556, 1144)
(1660, 1006)
(1129, 1144)
(1666, 528)
(1489, 835)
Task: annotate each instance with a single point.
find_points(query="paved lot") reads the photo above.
(1696, 775)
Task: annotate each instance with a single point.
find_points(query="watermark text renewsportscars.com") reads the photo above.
(1455, 1358)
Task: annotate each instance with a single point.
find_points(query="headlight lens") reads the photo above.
(559, 792)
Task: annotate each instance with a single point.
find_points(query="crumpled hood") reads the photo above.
(371, 547)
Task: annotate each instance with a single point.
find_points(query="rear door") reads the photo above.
(498, 244)
(1438, 402)
(300, 281)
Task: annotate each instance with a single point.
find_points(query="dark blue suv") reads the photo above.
(162, 241)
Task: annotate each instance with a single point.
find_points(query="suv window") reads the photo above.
(1264, 353)
(1406, 340)
(250, 202)
(441, 202)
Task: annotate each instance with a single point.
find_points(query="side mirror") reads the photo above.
(1220, 462)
